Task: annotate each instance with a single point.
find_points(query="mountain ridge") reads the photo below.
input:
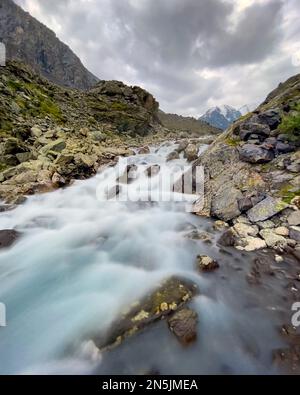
(31, 42)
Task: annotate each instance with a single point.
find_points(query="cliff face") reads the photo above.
(30, 41)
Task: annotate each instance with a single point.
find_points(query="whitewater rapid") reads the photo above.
(81, 261)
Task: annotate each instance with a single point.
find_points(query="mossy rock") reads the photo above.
(171, 295)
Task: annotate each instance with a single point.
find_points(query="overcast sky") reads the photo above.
(191, 54)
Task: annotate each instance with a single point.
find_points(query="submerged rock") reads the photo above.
(184, 325)
(152, 171)
(173, 156)
(8, 237)
(171, 295)
(206, 263)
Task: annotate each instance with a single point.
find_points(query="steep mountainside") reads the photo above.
(221, 117)
(48, 131)
(30, 41)
(191, 126)
(252, 173)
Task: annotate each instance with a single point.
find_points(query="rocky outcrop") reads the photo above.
(166, 299)
(50, 135)
(31, 42)
(253, 169)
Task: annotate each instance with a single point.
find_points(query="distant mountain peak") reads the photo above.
(221, 116)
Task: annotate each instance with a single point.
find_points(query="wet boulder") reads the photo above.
(206, 264)
(171, 295)
(255, 154)
(191, 152)
(8, 237)
(173, 156)
(184, 325)
(228, 238)
(144, 151)
(129, 174)
(182, 146)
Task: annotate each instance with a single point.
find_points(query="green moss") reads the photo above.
(119, 106)
(290, 125)
(288, 193)
(3, 167)
(234, 142)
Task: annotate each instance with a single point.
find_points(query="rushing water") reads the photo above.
(81, 261)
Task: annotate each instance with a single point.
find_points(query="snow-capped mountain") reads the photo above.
(221, 117)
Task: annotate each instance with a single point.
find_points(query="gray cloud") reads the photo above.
(190, 54)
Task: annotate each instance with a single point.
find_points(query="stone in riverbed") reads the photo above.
(228, 238)
(184, 325)
(8, 237)
(173, 156)
(169, 296)
(220, 225)
(272, 239)
(244, 230)
(266, 209)
(206, 263)
(144, 151)
(253, 244)
(191, 152)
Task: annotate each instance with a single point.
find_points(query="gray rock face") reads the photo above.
(266, 209)
(225, 203)
(255, 154)
(33, 43)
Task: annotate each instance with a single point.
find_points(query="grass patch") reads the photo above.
(290, 124)
(288, 193)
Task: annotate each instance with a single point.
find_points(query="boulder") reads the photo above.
(266, 209)
(272, 118)
(173, 156)
(206, 263)
(8, 237)
(283, 148)
(182, 146)
(255, 154)
(244, 230)
(225, 203)
(295, 233)
(294, 218)
(36, 131)
(253, 244)
(249, 128)
(282, 231)
(144, 151)
(228, 238)
(184, 325)
(191, 152)
(58, 180)
(55, 146)
(129, 174)
(220, 225)
(171, 295)
(272, 239)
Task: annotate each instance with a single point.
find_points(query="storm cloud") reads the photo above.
(190, 54)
